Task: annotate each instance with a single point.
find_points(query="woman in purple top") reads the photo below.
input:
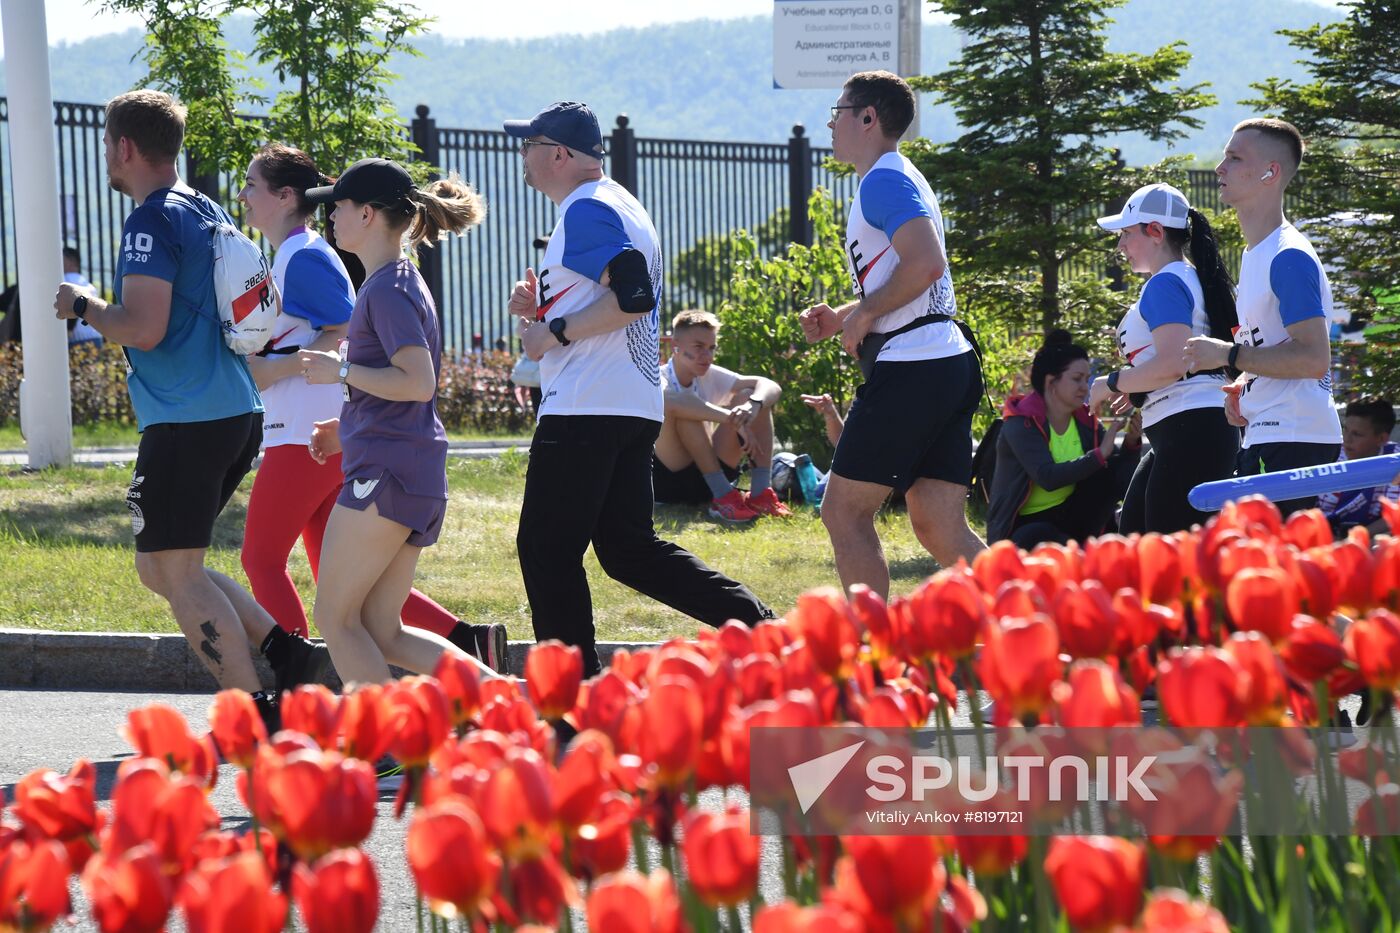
(394, 447)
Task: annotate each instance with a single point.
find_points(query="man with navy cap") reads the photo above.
(591, 318)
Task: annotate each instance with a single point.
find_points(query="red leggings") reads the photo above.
(292, 497)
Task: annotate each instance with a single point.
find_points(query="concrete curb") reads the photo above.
(39, 660)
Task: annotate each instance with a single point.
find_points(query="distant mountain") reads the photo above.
(713, 79)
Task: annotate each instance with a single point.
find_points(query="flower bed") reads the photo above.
(1239, 624)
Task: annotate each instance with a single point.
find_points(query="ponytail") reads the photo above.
(448, 205)
(1216, 284)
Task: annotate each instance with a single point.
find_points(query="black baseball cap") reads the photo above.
(568, 123)
(377, 181)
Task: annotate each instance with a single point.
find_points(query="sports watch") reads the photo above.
(80, 304)
(344, 371)
(556, 327)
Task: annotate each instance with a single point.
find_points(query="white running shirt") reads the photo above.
(1281, 283)
(616, 373)
(892, 193)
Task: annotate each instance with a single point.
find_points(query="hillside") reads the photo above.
(712, 80)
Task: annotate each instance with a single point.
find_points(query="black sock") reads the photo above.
(277, 646)
(463, 633)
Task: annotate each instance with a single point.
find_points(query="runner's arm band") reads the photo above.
(631, 282)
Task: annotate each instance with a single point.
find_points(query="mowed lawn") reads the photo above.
(66, 556)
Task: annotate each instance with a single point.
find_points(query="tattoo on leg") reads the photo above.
(211, 635)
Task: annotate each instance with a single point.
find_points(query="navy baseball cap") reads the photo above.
(567, 122)
(377, 181)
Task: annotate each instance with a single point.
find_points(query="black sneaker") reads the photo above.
(306, 663)
(270, 712)
(491, 646)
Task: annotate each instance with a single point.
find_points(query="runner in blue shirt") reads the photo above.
(198, 411)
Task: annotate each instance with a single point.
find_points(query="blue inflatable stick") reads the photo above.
(1295, 484)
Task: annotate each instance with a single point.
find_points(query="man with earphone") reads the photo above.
(1281, 353)
(910, 428)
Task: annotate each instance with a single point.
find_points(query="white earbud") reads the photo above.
(1267, 175)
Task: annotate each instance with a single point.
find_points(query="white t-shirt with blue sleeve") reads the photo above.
(316, 293)
(617, 373)
(892, 193)
(1171, 296)
(191, 375)
(1281, 283)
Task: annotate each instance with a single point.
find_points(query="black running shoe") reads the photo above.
(306, 663)
(492, 648)
(270, 712)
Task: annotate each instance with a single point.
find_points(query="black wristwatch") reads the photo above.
(556, 327)
(80, 307)
(1113, 380)
(1234, 355)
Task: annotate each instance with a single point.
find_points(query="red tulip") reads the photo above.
(946, 614)
(1307, 529)
(461, 684)
(312, 710)
(1385, 580)
(796, 709)
(824, 620)
(1355, 570)
(1110, 559)
(366, 723)
(454, 864)
(339, 894)
(214, 845)
(1159, 568)
(128, 891)
(1312, 650)
(991, 856)
(1194, 805)
(874, 616)
(237, 726)
(1172, 911)
(553, 672)
(1019, 663)
(584, 775)
(149, 804)
(33, 885)
(900, 877)
(736, 640)
(994, 566)
(1313, 577)
(1200, 688)
(317, 801)
(604, 844)
(539, 890)
(1254, 515)
(1263, 600)
(632, 903)
(1097, 879)
(787, 917)
(1017, 599)
(671, 729)
(1374, 641)
(160, 731)
(517, 807)
(234, 895)
(420, 719)
(721, 857)
(1094, 696)
(61, 807)
(1263, 689)
(608, 699)
(1138, 624)
(1085, 619)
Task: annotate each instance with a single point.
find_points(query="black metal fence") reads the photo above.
(698, 192)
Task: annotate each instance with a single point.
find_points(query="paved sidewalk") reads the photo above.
(108, 456)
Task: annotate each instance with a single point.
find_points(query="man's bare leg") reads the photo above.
(938, 513)
(848, 512)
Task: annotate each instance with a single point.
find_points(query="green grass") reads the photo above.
(66, 554)
(112, 434)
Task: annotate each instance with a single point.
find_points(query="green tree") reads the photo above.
(1350, 114)
(1041, 96)
(332, 55)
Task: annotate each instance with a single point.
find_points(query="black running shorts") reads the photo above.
(184, 476)
(912, 421)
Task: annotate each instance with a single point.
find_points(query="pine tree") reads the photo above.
(1350, 115)
(1040, 97)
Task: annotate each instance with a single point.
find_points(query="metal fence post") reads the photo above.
(425, 137)
(622, 155)
(799, 186)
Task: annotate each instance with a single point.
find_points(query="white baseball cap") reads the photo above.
(1162, 203)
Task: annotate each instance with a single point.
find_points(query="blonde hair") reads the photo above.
(153, 120)
(694, 317)
(448, 205)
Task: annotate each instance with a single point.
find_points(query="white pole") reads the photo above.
(44, 413)
(911, 36)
